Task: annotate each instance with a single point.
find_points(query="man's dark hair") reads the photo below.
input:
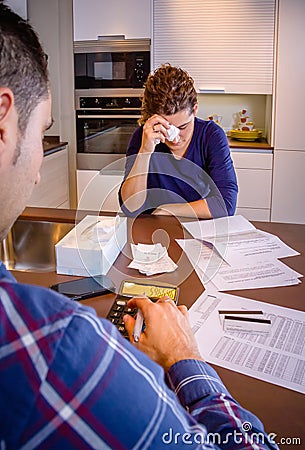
(23, 64)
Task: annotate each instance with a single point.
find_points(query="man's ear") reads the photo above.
(6, 104)
(195, 110)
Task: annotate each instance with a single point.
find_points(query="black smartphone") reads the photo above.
(83, 288)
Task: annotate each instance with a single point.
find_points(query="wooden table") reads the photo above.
(281, 410)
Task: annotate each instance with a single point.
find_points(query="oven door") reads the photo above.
(103, 139)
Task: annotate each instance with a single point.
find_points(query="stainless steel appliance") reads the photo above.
(103, 64)
(109, 78)
(104, 126)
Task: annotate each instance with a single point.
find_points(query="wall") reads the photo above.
(228, 105)
(43, 16)
(53, 20)
(18, 6)
(103, 17)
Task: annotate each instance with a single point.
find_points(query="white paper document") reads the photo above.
(260, 274)
(278, 357)
(147, 253)
(210, 267)
(214, 228)
(151, 259)
(203, 257)
(251, 246)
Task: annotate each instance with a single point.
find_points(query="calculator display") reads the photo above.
(153, 291)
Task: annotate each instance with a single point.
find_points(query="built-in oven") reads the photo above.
(111, 64)
(109, 79)
(104, 127)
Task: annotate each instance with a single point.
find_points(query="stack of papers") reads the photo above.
(231, 254)
(151, 259)
(277, 357)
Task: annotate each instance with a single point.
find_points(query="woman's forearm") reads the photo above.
(197, 210)
(134, 187)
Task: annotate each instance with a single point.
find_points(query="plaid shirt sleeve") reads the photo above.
(68, 380)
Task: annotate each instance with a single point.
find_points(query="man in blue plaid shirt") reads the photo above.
(68, 380)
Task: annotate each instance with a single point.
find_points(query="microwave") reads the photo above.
(108, 64)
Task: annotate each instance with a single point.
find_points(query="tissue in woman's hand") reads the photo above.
(172, 133)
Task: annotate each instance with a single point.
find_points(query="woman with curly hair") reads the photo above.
(177, 164)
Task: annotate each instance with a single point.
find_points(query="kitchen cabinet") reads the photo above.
(288, 191)
(226, 46)
(289, 88)
(288, 198)
(98, 191)
(118, 17)
(53, 189)
(53, 21)
(254, 176)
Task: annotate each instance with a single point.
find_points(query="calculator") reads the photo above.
(118, 310)
(131, 288)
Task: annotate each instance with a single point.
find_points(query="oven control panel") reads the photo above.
(109, 102)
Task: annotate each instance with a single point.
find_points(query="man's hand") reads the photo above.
(167, 337)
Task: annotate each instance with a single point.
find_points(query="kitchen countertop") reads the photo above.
(52, 144)
(259, 144)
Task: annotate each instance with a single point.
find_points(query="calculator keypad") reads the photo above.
(116, 313)
(120, 308)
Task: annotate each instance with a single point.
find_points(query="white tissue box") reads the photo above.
(92, 246)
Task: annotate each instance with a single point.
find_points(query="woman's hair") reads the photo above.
(23, 64)
(167, 91)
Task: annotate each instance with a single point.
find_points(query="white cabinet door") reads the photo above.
(290, 86)
(224, 45)
(288, 195)
(263, 215)
(98, 192)
(53, 189)
(93, 18)
(254, 177)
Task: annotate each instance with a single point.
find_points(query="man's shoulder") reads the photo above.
(35, 303)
